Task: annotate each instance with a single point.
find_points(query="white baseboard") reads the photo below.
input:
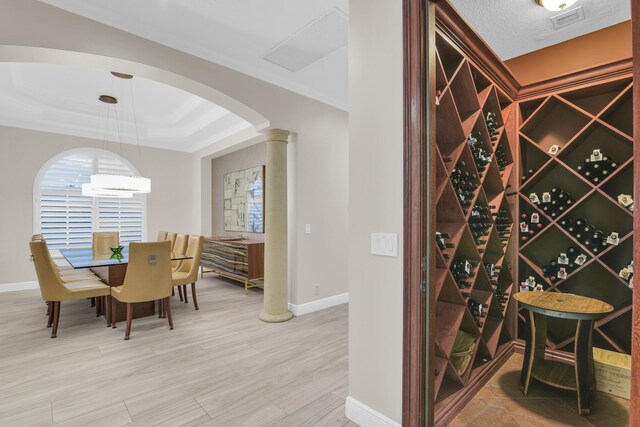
(365, 416)
(321, 304)
(20, 286)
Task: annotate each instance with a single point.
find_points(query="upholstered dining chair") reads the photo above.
(171, 236)
(103, 241)
(162, 235)
(148, 278)
(187, 273)
(54, 289)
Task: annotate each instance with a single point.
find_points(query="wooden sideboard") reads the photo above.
(241, 260)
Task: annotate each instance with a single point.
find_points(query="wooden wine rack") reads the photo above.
(581, 120)
(465, 96)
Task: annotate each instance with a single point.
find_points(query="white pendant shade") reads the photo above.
(555, 5)
(133, 184)
(89, 191)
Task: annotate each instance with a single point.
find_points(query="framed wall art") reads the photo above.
(244, 200)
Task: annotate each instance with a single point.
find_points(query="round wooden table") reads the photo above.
(578, 376)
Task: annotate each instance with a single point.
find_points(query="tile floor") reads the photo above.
(220, 366)
(500, 403)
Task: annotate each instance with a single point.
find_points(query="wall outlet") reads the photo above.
(316, 289)
(307, 228)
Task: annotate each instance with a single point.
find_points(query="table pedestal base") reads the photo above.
(579, 376)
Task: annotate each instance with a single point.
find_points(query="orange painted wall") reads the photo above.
(600, 47)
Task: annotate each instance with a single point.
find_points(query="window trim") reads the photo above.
(83, 151)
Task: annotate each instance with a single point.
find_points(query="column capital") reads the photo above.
(276, 135)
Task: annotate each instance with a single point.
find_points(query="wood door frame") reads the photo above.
(635, 323)
(419, 298)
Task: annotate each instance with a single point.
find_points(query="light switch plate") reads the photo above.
(385, 244)
(307, 228)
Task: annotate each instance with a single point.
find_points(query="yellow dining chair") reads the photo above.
(162, 235)
(54, 289)
(103, 241)
(179, 247)
(148, 278)
(171, 236)
(188, 270)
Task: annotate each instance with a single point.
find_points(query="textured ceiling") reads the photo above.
(64, 99)
(515, 27)
(233, 33)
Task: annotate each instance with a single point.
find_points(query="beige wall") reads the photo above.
(375, 204)
(318, 168)
(249, 157)
(608, 45)
(22, 154)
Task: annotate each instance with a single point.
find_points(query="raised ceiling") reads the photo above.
(238, 34)
(64, 99)
(516, 27)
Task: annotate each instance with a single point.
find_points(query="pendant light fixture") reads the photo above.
(555, 5)
(111, 185)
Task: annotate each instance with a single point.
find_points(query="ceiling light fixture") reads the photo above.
(109, 185)
(555, 5)
(89, 191)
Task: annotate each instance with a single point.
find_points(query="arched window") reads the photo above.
(66, 218)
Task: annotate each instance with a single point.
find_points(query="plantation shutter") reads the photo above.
(67, 219)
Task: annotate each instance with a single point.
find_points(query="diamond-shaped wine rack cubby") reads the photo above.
(476, 193)
(578, 122)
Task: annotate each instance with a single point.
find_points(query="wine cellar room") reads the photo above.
(532, 210)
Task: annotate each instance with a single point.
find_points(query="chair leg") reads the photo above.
(50, 313)
(184, 291)
(173, 292)
(114, 305)
(168, 309)
(107, 309)
(159, 309)
(127, 331)
(98, 304)
(193, 296)
(93, 302)
(180, 292)
(56, 318)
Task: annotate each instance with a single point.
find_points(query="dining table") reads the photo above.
(111, 268)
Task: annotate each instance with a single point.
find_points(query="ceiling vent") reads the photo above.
(311, 43)
(567, 18)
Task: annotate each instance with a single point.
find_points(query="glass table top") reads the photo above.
(85, 258)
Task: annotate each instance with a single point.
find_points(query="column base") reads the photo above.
(275, 318)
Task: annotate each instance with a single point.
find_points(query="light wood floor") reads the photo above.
(220, 366)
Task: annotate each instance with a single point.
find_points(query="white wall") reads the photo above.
(375, 204)
(22, 154)
(249, 157)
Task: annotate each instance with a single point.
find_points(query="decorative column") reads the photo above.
(276, 289)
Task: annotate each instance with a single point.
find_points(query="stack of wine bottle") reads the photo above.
(481, 156)
(501, 296)
(492, 126)
(565, 264)
(478, 311)
(553, 203)
(528, 175)
(595, 240)
(503, 225)
(480, 223)
(501, 159)
(597, 167)
(530, 225)
(463, 271)
(464, 184)
(441, 241)
(627, 273)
